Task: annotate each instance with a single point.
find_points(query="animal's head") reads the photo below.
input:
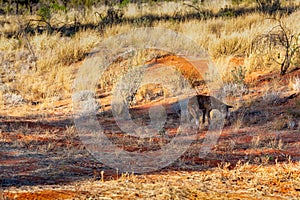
(225, 109)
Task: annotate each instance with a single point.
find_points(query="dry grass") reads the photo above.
(246, 180)
(224, 182)
(50, 76)
(294, 84)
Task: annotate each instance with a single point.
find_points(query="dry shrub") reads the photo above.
(296, 84)
(271, 97)
(279, 124)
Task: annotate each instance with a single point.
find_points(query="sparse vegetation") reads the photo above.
(282, 43)
(296, 84)
(43, 45)
(238, 75)
(268, 6)
(271, 97)
(235, 89)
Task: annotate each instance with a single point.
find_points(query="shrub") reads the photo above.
(282, 45)
(239, 74)
(13, 99)
(234, 89)
(271, 97)
(296, 85)
(85, 102)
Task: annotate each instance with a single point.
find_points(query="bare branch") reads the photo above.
(281, 39)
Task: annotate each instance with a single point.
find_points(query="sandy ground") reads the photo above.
(256, 155)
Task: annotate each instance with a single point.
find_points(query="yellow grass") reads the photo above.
(244, 181)
(49, 78)
(51, 75)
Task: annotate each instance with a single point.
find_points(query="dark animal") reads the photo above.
(206, 104)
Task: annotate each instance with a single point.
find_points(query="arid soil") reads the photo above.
(256, 156)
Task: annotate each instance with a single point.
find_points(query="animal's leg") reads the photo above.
(193, 115)
(226, 115)
(226, 112)
(208, 116)
(203, 116)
